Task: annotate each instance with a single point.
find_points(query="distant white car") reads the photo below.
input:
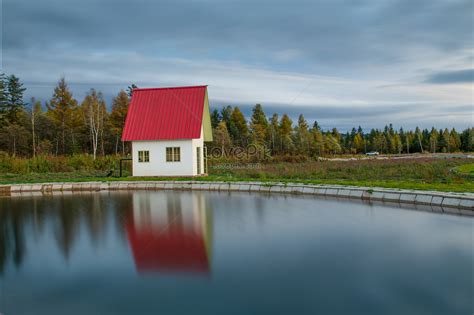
(373, 153)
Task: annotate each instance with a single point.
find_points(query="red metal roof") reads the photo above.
(165, 113)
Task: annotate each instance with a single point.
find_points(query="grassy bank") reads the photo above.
(424, 174)
(454, 174)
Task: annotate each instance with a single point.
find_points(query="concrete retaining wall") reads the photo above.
(432, 198)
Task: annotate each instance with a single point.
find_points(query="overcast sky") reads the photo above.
(344, 63)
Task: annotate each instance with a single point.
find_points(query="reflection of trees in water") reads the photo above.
(12, 243)
(18, 238)
(67, 219)
(122, 205)
(65, 213)
(96, 221)
(5, 240)
(63, 218)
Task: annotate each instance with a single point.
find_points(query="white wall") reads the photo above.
(198, 143)
(157, 166)
(158, 211)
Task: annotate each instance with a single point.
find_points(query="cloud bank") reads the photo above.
(343, 63)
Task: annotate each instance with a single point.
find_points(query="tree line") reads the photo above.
(65, 126)
(282, 137)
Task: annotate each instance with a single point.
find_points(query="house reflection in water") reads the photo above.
(170, 232)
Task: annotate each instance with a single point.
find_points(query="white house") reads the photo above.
(167, 128)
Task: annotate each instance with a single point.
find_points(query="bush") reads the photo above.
(56, 164)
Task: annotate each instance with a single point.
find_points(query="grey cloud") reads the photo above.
(43, 40)
(334, 32)
(449, 77)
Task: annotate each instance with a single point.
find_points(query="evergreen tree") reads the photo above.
(14, 103)
(397, 143)
(238, 127)
(455, 140)
(14, 139)
(335, 133)
(221, 138)
(226, 112)
(302, 139)
(286, 129)
(426, 138)
(45, 135)
(380, 142)
(353, 133)
(61, 109)
(215, 118)
(258, 125)
(316, 126)
(467, 140)
(332, 144)
(317, 142)
(359, 143)
(347, 143)
(274, 133)
(446, 140)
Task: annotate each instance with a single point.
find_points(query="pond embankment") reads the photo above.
(432, 198)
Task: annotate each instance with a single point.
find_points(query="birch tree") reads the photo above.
(35, 113)
(94, 111)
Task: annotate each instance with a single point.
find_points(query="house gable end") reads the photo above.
(206, 120)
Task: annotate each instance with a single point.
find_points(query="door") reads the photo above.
(205, 160)
(198, 159)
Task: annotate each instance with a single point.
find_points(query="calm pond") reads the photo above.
(171, 252)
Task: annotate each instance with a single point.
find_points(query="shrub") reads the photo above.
(56, 164)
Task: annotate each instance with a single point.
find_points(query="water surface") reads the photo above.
(171, 252)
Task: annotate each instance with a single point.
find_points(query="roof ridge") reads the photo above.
(170, 88)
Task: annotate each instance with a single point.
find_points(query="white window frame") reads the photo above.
(173, 154)
(143, 156)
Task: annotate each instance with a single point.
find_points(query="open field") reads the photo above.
(425, 174)
(444, 174)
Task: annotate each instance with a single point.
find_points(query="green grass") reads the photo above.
(466, 170)
(454, 175)
(65, 177)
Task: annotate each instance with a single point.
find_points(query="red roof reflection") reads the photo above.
(169, 233)
(174, 249)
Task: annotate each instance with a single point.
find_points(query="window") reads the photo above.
(173, 154)
(169, 154)
(143, 156)
(177, 154)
